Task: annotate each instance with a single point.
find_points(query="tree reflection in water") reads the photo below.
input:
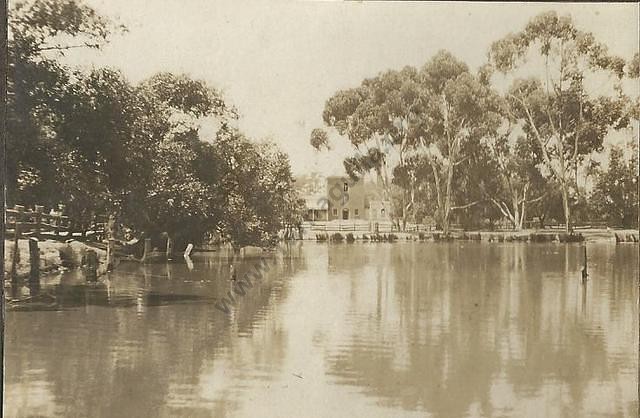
(93, 357)
(441, 329)
(470, 327)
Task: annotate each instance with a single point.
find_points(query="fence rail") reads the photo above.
(21, 222)
(388, 226)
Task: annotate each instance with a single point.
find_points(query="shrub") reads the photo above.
(350, 237)
(421, 236)
(321, 237)
(379, 237)
(365, 237)
(392, 237)
(337, 237)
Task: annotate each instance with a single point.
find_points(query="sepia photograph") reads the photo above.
(218, 208)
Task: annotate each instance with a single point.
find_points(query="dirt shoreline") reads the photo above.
(54, 255)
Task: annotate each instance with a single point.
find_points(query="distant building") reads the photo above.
(317, 208)
(379, 210)
(347, 199)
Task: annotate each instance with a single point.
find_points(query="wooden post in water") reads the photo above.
(91, 265)
(34, 264)
(585, 274)
(169, 247)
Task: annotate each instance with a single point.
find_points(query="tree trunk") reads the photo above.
(447, 208)
(447, 200)
(566, 207)
(445, 223)
(522, 215)
(404, 210)
(516, 214)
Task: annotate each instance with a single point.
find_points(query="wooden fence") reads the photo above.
(388, 226)
(26, 223)
(363, 226)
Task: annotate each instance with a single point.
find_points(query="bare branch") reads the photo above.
(537, 199)
(541, 141)
(468, 205)
(66, 47)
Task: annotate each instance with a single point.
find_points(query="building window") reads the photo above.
(335, 212)
(346, 187)
(382, 211)
(355, 212)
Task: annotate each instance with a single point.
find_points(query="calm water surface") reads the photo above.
(380, 330)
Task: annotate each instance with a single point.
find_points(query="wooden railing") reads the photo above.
(22, 222)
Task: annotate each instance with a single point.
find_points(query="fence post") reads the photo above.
(38, 219)
(34, 263)
(19, 219)
(55, 222)
(16, 250)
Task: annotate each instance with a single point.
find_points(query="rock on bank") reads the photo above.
(53, 255)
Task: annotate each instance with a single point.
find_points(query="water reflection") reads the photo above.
(444, 330)
(470, 329)
(94, 358)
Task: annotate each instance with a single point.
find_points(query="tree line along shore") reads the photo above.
(444, 141)
(530, 133)
(101, 145)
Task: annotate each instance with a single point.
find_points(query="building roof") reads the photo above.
(316, 202)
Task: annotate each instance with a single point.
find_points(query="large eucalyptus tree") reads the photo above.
(553, 68)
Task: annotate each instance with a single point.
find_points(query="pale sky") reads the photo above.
(279, 61)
